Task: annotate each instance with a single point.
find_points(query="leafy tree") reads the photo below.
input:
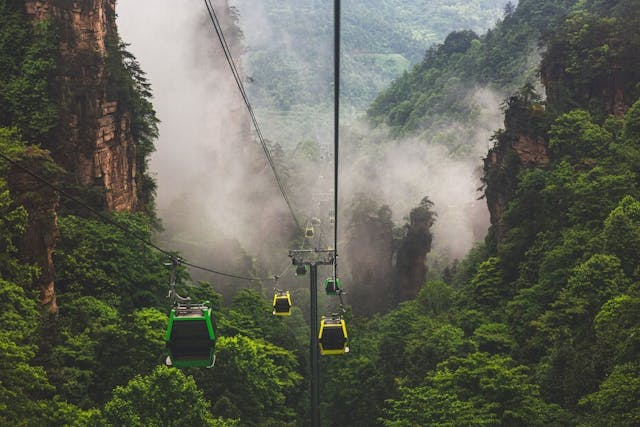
(574, 134)
(96, 349)
(617, 328)
(426, 406)
(26, 73)
(23, 386)
(436, 296)
(616, 401)
(621, 233)
(166, 397)
(252, 380)
(475, 390)
(13, 220)
(98, 259)
(494, 338)
(488, 284)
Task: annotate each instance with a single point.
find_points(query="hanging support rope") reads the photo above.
(173, 294)
(107, 220)
(236, 75)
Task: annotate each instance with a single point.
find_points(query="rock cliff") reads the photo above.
(521, 144)
(411, 256)
(93, 141)
(42, 228)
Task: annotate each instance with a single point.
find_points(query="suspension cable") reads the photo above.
(126, 230)
(236, 75)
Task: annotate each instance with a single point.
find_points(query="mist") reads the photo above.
(401, 172)
(217, 196)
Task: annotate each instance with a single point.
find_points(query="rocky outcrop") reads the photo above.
(531, 150)
(42, 228)
(411, 257)
(522, 144)
(94, 141)
(368, 255)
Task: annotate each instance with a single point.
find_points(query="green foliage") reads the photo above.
(250, 315)
(488, 285)
(617, 328)
(436, 297)
(494, 338)
(538, 326)
(27, 68)
(98, 259)
(252, 380)
(616, 402)
(475, 390)
(97, 349)
(379, 38)
(166, 397)
(621, 233)
(13, 221)
(575, 135)
(22, 384)
(438, 89)
(592, 46)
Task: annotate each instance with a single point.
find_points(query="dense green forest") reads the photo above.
(439, 89)
(538, 325)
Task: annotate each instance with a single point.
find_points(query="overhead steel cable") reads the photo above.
(126, 230)
(236, 75)
(336, 123)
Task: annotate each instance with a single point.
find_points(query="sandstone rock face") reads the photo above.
(411, 269)
(514, 151)
(94, 142)
(531, 150)
(42, 227)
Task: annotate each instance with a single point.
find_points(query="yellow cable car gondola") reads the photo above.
(282, 303)
(332, 337)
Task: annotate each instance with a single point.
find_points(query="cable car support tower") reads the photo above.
(315, 257)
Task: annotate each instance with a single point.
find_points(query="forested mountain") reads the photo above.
(538, 325)
(291, 58)
(439, 89)
(290, 61)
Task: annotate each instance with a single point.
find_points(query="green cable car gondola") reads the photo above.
(282, 303)
(332, 337)
(332, 286)
(191, 336)
(308, 233)
(301, 270)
